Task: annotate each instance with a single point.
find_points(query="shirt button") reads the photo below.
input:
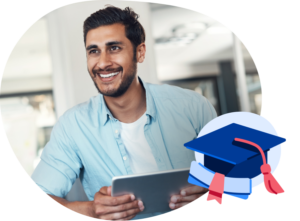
(116, 131)
(124, 158)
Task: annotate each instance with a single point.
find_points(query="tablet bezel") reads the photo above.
(176, 183)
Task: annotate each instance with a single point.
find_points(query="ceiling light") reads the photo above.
(183, 34)
(192, 27)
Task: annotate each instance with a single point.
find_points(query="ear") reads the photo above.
(141, 52)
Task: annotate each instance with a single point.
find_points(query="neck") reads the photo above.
(131, 105)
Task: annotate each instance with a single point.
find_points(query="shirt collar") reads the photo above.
(151, 110)
(150, 105)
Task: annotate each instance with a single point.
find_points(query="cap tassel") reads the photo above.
(270, 182)
(216, 188)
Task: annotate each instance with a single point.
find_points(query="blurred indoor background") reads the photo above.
(46, 73)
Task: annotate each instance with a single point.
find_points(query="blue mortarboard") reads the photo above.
(236, 151)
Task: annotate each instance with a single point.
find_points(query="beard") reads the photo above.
(125, 83)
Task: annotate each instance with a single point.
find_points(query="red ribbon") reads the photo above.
(216, 189)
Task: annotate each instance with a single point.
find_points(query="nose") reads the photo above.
(104, 61)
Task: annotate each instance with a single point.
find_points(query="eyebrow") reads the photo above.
(110, 43)
(114, 43)
(91, 47)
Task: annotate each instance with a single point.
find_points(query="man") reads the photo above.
(130, 127)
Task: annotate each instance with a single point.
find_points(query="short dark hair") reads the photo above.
(110, 15)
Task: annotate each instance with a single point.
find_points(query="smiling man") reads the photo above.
(130, 127)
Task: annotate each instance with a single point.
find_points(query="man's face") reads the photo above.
(110, 59)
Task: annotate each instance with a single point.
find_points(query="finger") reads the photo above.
(109, 190)
(192, 190)
(103, 190)
(113, 201)
(179, 198)
(121, 215)
(127, 218)
(177, 205)
(136, 206)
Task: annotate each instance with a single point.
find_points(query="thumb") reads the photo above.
(105, 190)
(109, 190)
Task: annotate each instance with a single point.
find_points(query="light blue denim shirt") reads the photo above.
(86, 142)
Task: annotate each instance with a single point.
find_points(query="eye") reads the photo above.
(93, 51)
(113, 48)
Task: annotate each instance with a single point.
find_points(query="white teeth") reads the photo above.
(108, 75)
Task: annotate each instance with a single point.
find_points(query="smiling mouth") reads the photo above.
(108, 75)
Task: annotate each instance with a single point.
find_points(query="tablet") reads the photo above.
(154, 189)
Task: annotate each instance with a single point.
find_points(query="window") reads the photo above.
(28, 120)
(26, 99)
(206, 86)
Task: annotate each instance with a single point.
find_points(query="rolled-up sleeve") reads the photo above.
(60, 164)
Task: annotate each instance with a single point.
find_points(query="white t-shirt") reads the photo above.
(141, 158)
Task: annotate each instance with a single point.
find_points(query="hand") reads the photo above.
(115, 208)
(186, 196)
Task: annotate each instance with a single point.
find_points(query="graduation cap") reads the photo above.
(232, 154)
